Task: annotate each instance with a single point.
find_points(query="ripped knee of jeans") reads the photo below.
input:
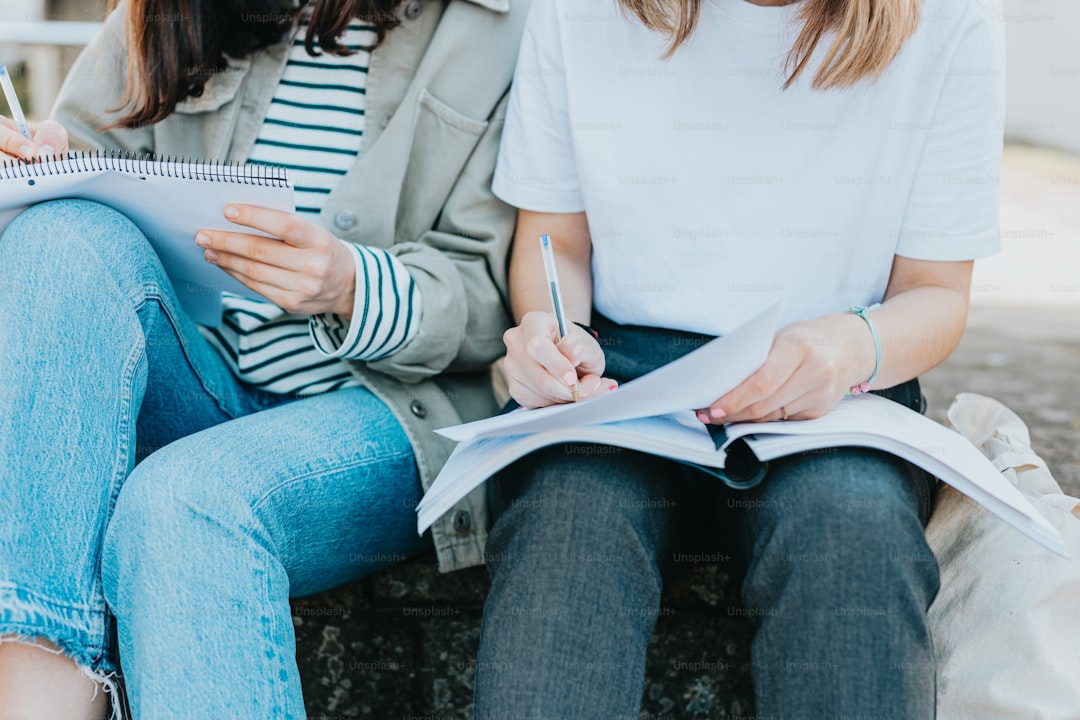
(104, 681)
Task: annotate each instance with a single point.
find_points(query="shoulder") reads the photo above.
(589, 16)
(510, 12)
(114, 31)
(485, 26)
(945, 20)
(584, 29)
(951, 32)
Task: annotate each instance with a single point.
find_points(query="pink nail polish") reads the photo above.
(703, 418)
(717, 413)
(613, 388)
(570, 378)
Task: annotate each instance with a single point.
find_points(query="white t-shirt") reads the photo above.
(710, 189)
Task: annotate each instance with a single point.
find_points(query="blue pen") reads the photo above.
(556, 296)
(13, 103)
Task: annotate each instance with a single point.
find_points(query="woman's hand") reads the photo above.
(50, 141)
(306, 271)
(541, 368)
(810, 368)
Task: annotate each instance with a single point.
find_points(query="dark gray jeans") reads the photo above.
(835, 567)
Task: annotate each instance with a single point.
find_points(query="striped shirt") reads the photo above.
(314, 127)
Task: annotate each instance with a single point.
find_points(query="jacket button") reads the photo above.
(418, 409)
(413, 9)
(345, 220)
(462, 521)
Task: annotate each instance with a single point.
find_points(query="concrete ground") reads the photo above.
(1028, 359)
(1022, 344)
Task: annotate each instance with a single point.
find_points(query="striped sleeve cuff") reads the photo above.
(386, 313)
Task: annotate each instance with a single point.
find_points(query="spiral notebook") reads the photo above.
(169, 200)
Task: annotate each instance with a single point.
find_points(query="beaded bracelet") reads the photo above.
(864, 313)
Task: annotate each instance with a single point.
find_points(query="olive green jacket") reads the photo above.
(421, 188)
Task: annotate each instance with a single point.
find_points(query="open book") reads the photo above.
(168, 200)
(653, 414)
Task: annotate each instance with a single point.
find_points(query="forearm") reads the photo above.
(529, 291)
(813, 363)
(918, 329)
(919, 324)
(543, 365)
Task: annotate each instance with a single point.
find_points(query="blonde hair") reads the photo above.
(869, 34)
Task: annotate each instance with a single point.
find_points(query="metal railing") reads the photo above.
(46, 32)
(41, 43)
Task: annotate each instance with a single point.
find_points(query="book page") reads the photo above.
(874, 422)
(854, 413)
(678, 436)
(693, 381)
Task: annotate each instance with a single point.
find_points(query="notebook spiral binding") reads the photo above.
(181, 168)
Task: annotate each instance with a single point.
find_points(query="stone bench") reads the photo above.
(402, 644)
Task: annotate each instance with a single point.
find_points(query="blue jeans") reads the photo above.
(140, 477)
(836, 573)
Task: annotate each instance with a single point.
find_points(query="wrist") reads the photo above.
(863, 314)
(860, 350)
(346, 303)
(346, 299)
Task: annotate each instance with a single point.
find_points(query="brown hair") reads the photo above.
(176, 46)
(869, 34)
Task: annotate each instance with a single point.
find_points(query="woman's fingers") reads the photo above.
(797, 381)
(260, 249)
(272, 293)
(542, 368)
(568, 358)
(532, 387)
(528, 396)
(253, 270)
(51, 139)
(753, 398)
(541, 332)
(13, 144)
(294, 230)
(583, 351)
(594, 385)
(315, 274)
(780, 404)
(803, 396)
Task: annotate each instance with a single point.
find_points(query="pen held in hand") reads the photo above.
(556, 297)
(13, 103)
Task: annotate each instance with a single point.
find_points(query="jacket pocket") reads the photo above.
(443, 140)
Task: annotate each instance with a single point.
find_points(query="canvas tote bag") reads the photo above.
(1006, 623)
